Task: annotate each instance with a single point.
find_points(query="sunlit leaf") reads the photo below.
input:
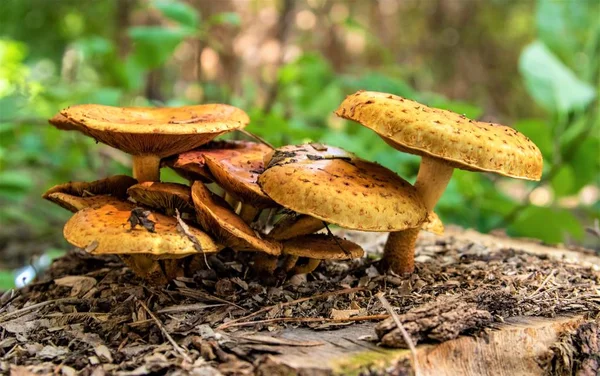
(548, 224)
(551, 84)
(178, 11)
(563, 182)
(226, 18)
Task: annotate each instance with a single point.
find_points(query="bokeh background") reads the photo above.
(534, 65)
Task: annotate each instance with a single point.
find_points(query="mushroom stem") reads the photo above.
(146, 268)
(399, 251)
(289, 263)
(264, 264)
(311, 265)
(432, 180)
(231, 200)
(295, 225)
(249, 212)
(146, 168)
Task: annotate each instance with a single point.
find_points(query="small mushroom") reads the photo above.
(107, 230)
(317, 247)
(166, 197)
(433, 224)
(334, 186)
(215, 216)
(150, 134)
(75, 196)
(445, 141)
(234, 166)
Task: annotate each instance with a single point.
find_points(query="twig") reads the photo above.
(188, 308)
(185, 230)
(33, 307)
(164, 331)
(256, 137)
(543, 284)
(335, 239)
(185, 291)
(281, 305)
(411, 345)
(309, 319)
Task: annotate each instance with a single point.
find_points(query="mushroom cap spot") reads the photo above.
(165, 196)
(116, 186)
(349, 192)
(433, 224)
(156, 131)
(108, 226)
(215, 215)
(75, 203)
(412, 127)
(322, 247)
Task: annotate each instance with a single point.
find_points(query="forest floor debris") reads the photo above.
(92, 315)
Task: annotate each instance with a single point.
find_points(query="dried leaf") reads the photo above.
(79, 284)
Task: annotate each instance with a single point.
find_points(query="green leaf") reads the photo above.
(564, 182)
(226, 18)
(586, 163)
(180, 12)
(14, 183)
(540, 133)
(154, 45)
(547, 224)
(551, 84)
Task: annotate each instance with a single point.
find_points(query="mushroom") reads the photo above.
(75, 196)
(445, 141)
(150, 134)
(106, 230)
(215, 216)
(61, 122)
(433, 224)
(317, 247)
(166, 197)
(234, 166)
(334, 186)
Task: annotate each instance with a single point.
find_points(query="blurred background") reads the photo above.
(534, 65)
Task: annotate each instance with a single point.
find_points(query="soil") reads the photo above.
(92, 316)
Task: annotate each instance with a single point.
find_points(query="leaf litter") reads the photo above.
(91, 315)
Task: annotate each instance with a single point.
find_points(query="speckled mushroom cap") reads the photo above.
(215, 215)
(63, 123)
(433, 224)
(163, 196)
(74, 196)
(106, 230)
(234, 165)
(76, 203)
(156, 131)
(337, 187)
(414, 128)
(322, 247)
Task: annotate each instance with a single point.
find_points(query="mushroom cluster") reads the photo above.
(249, 197)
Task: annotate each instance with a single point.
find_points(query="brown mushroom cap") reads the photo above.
(337, 187)
(106, 230)
(234, 165)
(156, 131)
(63, 123)
(163, 196)
(322, 247)
(216, 216)
(114, 185)
(467, 144)
(433, 224)
(76, 203)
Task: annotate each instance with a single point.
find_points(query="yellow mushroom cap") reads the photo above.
(467, 144)
(75, 196)
(61, 122)
(339, 188)
(215, 215)
(106, 230)
(322, 247)
(156, 131)
(163, 196)
(433, 224)
(76, 203)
